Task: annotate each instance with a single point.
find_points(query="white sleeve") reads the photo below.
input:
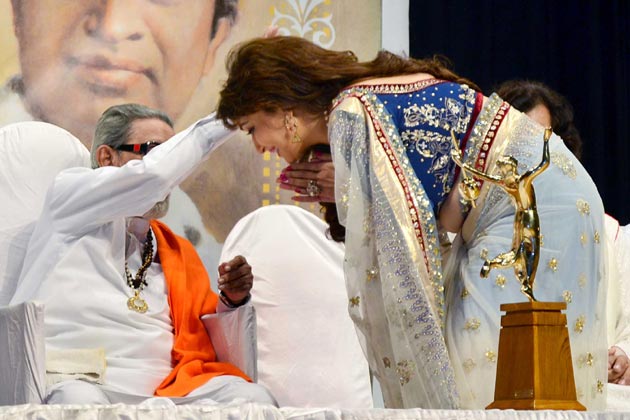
(81, 198)
(622, 254)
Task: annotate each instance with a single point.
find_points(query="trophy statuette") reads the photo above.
(534, 368)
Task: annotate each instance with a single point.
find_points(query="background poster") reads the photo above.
(176, 50)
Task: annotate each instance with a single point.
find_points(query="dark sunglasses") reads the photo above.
(141, 149)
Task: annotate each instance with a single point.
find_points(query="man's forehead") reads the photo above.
(149, 129)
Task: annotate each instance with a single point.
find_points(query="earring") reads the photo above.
(290, 122)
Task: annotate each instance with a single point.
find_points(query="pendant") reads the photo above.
(137, 304)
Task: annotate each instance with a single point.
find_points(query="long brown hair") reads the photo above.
(285, 72)
(288, 73)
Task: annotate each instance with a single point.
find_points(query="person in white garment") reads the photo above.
(123, 294)
(38, 152)
(308, 352)
(618, 314)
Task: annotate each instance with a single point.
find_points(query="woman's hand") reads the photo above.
(618, 363)
(314, 181)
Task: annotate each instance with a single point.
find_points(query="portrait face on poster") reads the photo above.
(99, 54)
(66, 61)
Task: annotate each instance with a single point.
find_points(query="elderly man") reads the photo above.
(119, 284)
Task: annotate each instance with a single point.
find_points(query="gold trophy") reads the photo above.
(534, 369)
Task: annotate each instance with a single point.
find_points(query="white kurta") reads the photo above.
(75, 260)
(183, 217)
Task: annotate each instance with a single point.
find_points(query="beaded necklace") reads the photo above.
(136, 303)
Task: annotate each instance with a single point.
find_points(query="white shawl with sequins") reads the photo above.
(392, 265)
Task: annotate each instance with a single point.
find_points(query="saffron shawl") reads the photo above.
(189, 297)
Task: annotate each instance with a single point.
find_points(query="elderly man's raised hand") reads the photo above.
(235, 279)
(271, 31)
(618, 363)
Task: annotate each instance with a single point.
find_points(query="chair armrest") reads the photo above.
(233, 335)
(23, 362)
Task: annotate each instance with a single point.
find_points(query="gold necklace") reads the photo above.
(136, 303)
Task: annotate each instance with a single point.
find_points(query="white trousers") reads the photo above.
(221, 389)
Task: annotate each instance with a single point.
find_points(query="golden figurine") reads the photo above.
(525, 252)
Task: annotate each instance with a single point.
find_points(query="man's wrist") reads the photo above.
(230, 304)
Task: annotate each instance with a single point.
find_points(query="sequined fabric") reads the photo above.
(431, 334)
(425, 118)
(570, 268)
(393, 262)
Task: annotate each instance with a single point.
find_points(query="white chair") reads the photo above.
(23, 364)
(233, 336)
(34, 153)
(308, 351)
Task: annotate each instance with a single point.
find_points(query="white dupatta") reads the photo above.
(392, 261)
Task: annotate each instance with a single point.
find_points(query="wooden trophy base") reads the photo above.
(534, 368)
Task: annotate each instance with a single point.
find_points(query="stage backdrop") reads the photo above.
(581, 49)
(177, 50)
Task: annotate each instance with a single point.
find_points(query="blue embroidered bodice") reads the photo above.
(424, 118)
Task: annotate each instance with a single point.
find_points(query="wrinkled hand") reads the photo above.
(296, 177)
(235, 279)
(618, 363)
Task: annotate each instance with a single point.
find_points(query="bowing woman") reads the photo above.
(430, 326)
